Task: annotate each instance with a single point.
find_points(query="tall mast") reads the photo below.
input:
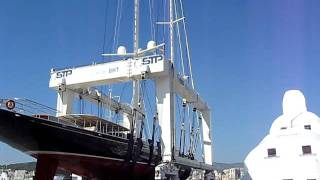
(136, 26)
(171, 90)
(171, 33)
(136, 83)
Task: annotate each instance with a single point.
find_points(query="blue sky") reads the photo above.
(246, 54)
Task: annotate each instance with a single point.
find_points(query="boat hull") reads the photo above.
(80, 151)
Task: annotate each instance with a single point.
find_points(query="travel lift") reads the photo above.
(136, 66)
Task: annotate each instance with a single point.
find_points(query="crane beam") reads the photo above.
(109, 73)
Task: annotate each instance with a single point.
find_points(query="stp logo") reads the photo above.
(152, 59)
(65, 73)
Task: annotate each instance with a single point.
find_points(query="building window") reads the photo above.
(306, 149)
(307, 127)
(272, 152)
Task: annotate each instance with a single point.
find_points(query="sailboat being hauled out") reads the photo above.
(94, 146)
(73, 143)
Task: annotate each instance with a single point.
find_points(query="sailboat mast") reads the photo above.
(171, 33)
(136, 26)
(136, 104)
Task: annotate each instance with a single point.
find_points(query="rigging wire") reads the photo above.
(157, 34)
(192, 134)
(152, 28)
(197, 139)
(110, 96)
(155, 118)
(117, 24)
(195, 144)
(164, 17)
(201, 138)
(187, 45)
(179, 113)
(124, 86)
(144, 93)
(105, 28)
(147, 96)
(80, 104)
(196, 135)
(182, 131)
(179, 38)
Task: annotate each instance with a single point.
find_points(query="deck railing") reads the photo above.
(82, 121)
(28, 107)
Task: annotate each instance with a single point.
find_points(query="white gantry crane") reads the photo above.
(152, 64)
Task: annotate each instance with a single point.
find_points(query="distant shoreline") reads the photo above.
(32, 165)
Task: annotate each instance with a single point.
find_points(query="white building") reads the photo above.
(291, 150)
(4, 176)
(19, 174)
(229, 174)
